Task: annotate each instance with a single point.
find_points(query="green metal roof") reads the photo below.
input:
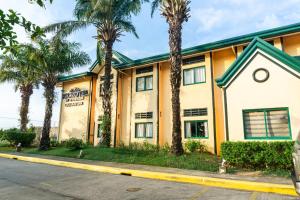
(119, 59)
(74, 76)
(216, 45)
(257, 43)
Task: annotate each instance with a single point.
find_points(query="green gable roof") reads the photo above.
(117, 60)
(257, 43)
(216, 45)
(74, 76)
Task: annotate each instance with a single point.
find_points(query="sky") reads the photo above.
(210, 21)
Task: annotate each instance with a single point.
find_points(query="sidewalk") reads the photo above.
(252, 183)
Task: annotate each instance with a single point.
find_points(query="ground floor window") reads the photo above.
(267, 123)
(196, 129)
(144, 130)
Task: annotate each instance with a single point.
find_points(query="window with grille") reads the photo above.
(196, 129)
(144, 83)
(195, 112)
(192, 60)
(267, 123)
(144, 130)
(144, 115)
(144, 70)
(194, 76)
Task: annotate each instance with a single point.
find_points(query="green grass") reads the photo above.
(194, 161)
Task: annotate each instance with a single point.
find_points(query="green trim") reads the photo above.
(75, 76)
(144, 133)
(265, 110)
(293, 28)
(193, 68)
(189, 121)
(120, 57)
(145, 89)
(257, 43)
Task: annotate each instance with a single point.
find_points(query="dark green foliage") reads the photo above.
(1, 134)
(258, 155)
(74, 144)
(15, 136)
(195, 145)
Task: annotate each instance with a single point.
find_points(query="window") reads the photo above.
(194, 76)
(144, 83)
(144, 70)
(145, 115)
(196, 129)
(144, 130)
(192, 60)
(267, 123)
(195, 112)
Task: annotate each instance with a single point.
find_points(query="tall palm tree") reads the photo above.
(55, 57)
(176, 13)
(111, 18)
(17, 67)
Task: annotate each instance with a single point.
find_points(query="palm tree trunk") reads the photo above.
(26, 92)
(50, 97)
(175, 28)
(107, 92)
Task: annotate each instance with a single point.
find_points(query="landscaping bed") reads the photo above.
(193, 161)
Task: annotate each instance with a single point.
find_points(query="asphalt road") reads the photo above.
(30, 181)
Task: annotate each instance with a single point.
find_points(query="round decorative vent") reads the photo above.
(261, 75)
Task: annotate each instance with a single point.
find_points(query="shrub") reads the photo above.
(1, 134)
(258, 155)
(195, 145)
(54, 142)
(74, 144)
(15, 136)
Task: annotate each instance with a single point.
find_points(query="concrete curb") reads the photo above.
(207, 181)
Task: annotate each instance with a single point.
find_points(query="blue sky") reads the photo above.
(210, 21)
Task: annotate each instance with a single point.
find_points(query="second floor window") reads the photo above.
(194, 76)
(144, 83)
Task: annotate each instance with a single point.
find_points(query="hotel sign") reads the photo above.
(75, 97)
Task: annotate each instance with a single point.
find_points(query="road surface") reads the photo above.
(31, 181)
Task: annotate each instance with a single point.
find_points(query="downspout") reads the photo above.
(157, 104)
(116, 119)
(213, 101)
(226, 113)
(90, 110)
(60, 112)
(130, 106)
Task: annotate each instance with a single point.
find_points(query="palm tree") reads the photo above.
(55, 57)
(176, 13)
(18, 68)
(111, 18)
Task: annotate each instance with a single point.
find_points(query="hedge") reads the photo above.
(15, 136)
(258, 155)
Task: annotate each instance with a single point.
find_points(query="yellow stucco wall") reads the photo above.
(222, 60)
(74, 120)
(98, 105)
(144, 101)
(125, 107)
(291, 45)
(280, 90)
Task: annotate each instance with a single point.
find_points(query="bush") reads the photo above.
(15, 136)
(1, 134)
(258, 155)
(54, 142)
(74, 144)
(195, 145)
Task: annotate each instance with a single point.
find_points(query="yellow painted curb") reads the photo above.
(207, 181)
